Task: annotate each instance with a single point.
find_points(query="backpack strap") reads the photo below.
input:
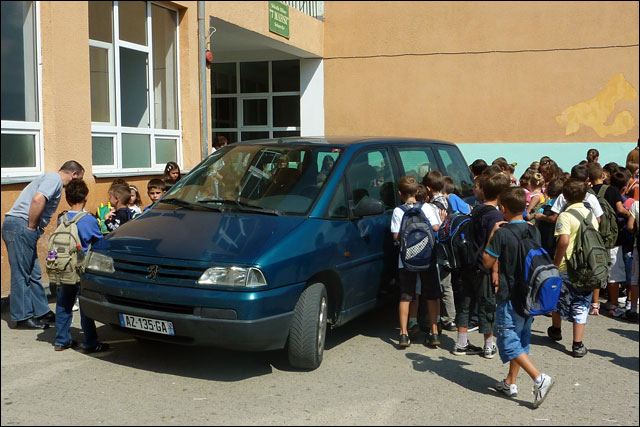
(602, 190)
(579, 217)
(75, 219)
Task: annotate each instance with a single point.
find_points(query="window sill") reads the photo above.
(6, 180)
(119, 174)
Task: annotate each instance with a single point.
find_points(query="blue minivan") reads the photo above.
(263, 244)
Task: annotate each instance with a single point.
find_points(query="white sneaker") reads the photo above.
(507, 390)
(489, 353)
(75, 306)
(541, 390)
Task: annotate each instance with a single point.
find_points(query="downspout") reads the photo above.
(204, 130)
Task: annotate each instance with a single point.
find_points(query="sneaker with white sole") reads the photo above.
(595, 309)
(509, 390)
(467, 350)
(489, 353)
(541, 390)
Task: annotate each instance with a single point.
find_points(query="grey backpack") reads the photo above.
(64, 261)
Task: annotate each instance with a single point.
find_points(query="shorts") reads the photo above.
(429, 283)
(635, 268)
(513, 332)
(573, 305)
(617, 273)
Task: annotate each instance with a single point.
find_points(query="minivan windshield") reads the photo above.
(262, 179)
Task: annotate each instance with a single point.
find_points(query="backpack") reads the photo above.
(65, 258)
(547, 229)
(453, 238)
(608, 221)
(538, 283)
(588, 267)
(417, 239)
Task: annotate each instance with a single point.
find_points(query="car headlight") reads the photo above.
(248, 277)
(99, 262)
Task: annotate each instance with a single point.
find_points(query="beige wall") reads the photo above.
(439, 86)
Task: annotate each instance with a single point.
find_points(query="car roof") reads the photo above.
(342, 140)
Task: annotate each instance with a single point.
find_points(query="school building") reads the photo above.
(124, 87)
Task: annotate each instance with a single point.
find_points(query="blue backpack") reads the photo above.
(538, 282)
(417, 239)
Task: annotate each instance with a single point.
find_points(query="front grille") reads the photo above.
(166, 273)
(150, 305)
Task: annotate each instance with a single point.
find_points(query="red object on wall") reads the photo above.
(209, 56)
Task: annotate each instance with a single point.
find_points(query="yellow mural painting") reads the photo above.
(596, 111)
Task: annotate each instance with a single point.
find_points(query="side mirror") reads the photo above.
(369, 207)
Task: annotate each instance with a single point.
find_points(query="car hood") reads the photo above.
(228, 237)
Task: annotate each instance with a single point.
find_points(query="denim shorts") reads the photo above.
(573, 305)
(513, 332)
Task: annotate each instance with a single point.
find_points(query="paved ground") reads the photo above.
(362, 380)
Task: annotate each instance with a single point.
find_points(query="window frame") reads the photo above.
(116, 129)
(242, 96)
(13, 127)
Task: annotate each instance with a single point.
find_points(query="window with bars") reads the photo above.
(135, 113)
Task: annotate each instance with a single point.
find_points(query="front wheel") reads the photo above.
(308, 328)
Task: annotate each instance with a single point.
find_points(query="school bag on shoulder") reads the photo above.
(538, 283)
(440, 205)
(588, 267)
(452, 238)
(417, 239)
(64, 262)
(608, 221)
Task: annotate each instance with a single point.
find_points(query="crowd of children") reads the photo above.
(548, 206)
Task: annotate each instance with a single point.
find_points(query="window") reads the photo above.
(417, 161)
(456, 168)
(134, 86)
(370, 177)
(21, 140)
(255, 100)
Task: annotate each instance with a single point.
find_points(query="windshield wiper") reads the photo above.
(244, 206)
(189, 205)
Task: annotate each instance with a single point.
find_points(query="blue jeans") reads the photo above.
(64, 315)
(512, 331)
(28, 298)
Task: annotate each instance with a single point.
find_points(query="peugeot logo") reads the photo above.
(153, 272)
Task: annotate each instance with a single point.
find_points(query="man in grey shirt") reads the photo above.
(22, 227)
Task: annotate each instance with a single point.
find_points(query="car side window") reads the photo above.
(456, 167)
(417, 161)
(370, 176)
(338, 206)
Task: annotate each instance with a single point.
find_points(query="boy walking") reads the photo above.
(407, 187)
(89, 232)
(573, 305)
(512, 330)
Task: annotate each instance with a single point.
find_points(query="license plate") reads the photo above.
(146, 324)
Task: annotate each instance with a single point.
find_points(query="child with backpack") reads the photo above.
(477, 281)
(67, 248)
(633, 225)
(119, 196)
(512, 330)
(541, 217)
(578, 240)
(423, 214)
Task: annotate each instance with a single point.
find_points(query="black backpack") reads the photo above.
(465, 241)
(417, 239)
(452, 240)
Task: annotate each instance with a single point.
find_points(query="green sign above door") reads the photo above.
(279, 18)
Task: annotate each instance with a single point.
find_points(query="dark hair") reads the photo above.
(478, 166)
(407, 185)
(619, 180)
(434, 179)
(168, 168)
(500, 161)
(421, 193)
(611, 167)
(493, 185)
(592, 155)
(449, 186)
(155, 183)
(632, 167)
(72, 166)
(120, 181)
(513, 199)
(584, 162)
(76, 191)
(526, 177)
(219, 141)
(574, 191)
(595, 172)
(554, 189)
(545, 160)
(580, 172)
(122, 192)
(550, 170)
(511, 168)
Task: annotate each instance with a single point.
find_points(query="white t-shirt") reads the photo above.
(430, 211)
(561, 204)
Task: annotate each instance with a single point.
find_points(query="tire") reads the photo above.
(308, 328)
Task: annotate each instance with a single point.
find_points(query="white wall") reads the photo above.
(311, 97)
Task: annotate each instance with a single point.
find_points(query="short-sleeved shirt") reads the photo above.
(457, 204)
(50, 186)
(504, 246)
(567, 224)
(561, 204)
(88, 229)
(396, 220)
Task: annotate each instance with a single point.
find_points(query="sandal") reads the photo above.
(99, 348)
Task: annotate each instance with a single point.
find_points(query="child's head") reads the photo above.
(574, 191)
(619, 179)
(421, 193)
(76, 192)
(407, 187)
(511, 168)
(536, 181)
(120, 181)
(580, 172)
(534, 165)
(611, 168)
(119, 195)
(155, 189)
(592, 155)
(219, 141)
(495, 184)
(449, 186)
(502, 163)
(595, 173)
(513, 201)
(434, 181)
(554, 189)
(172, 172)
(525, 179)
(135, 196)
(477, 167)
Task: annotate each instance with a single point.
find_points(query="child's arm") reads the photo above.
(561, 249)
(533, 203)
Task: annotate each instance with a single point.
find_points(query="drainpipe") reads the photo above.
(204, 130)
